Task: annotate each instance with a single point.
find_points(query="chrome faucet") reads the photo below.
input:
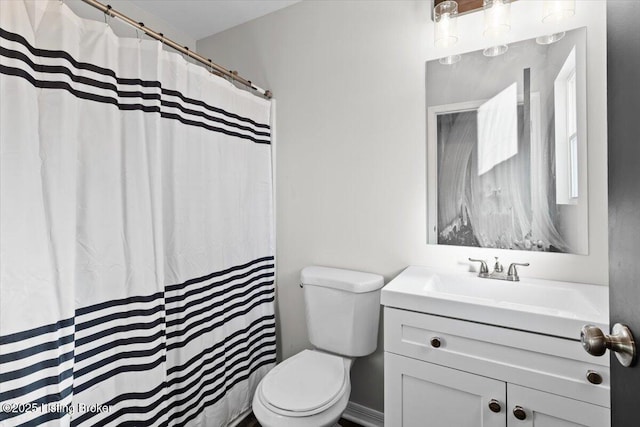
(498, 270)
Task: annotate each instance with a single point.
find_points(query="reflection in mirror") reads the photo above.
(507, 148)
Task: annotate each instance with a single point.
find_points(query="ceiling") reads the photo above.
(202, 18)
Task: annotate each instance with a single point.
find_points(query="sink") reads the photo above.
(542, 306)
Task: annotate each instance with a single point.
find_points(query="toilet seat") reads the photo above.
(306, 384)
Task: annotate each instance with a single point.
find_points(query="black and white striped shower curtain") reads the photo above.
(136, 230)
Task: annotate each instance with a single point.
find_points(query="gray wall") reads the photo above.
(349, 79)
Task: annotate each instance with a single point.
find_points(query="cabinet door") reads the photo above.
(549, 410)
(421, 394)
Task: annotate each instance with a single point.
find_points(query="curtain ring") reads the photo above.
(141, 34)
(107, 15)
(187, 54)
(210, 68)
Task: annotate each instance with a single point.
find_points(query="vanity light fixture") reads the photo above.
(446, 28)
(497, 23)
(549, 39)
(557, 10)
(446, 23)
(450, 60)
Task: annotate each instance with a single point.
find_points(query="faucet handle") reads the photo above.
(497, 267)
(484, 270)
(512, 273)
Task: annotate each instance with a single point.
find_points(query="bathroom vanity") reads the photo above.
(465, 351)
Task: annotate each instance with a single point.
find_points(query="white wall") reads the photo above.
(349, 77)
(138, 14)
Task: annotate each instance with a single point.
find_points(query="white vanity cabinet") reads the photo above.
(425, 394)
(445, 372)
(544, 409)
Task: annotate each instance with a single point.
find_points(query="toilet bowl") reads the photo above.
(312, 388)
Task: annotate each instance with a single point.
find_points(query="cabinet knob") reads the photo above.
(519, 413)
(435, 342)
(594, 378)
(494, 405)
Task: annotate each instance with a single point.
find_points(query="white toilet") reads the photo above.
(311, 389)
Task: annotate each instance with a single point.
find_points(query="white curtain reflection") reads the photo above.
(493, 209)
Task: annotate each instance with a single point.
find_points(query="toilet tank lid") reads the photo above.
(345, 280)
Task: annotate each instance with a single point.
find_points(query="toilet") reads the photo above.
(312, 388)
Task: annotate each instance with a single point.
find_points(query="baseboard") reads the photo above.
(364, 416)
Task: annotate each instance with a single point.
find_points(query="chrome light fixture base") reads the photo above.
(550, 39)
(495, 50)
(450, 60)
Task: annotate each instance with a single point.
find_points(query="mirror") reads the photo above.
(506, 148)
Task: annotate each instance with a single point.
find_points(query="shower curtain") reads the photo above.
(136, 230)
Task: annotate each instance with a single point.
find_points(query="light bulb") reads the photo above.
(497, 18)
(557, 10)
(446, 24)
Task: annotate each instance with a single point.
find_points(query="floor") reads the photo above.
(251, 421)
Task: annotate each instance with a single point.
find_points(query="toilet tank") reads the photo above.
(342, 309)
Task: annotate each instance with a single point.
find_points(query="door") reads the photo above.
(419, 394)
(623, 68)
(539, 409)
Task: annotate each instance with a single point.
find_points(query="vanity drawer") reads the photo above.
(552, 364)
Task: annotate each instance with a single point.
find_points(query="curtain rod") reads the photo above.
(219, 70)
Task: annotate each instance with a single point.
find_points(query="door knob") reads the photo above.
(596, 342)
(495, 406)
